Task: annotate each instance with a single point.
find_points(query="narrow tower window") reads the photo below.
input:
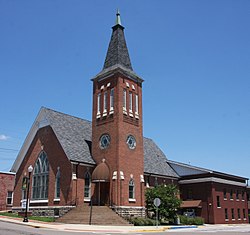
(111, 101)
(124, 101)
(130, 104)
(98, 106)
(105, 104)
(136, 106)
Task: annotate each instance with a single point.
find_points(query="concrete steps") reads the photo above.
(101, 215)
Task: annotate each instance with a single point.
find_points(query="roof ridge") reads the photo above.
(59, 112)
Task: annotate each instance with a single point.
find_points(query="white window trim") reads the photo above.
(56, 199)
(39, 201)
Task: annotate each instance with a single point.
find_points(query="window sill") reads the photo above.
(87, 199)
(39, 201)
(227, 220)
(104, 113)
(219, 207)
(56, 199)
(233, 219)
(132, 200)
(225, 199)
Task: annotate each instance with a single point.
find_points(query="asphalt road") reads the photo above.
(7, 228)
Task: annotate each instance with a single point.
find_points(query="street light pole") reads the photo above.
(25, 219)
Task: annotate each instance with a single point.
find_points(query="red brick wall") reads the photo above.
(208, 192)
(45, 140)
(240, 203)
(6, 184)
(118, 156)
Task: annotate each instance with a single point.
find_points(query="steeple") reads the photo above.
(117, 51)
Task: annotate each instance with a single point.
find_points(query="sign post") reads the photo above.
(157, 203)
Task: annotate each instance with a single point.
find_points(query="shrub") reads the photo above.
(191, 221)
(139, 221)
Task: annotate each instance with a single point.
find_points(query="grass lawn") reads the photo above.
(44, 219)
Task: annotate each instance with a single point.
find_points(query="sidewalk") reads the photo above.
(88, 228)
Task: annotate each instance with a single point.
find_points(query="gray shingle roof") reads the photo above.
(74, 134)
(117, 50)
(155, 161)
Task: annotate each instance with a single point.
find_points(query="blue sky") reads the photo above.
(193, 55)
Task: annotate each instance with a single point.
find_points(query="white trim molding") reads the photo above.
(39, 201)
(212, 179)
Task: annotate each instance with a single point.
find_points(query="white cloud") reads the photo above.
(4, 137)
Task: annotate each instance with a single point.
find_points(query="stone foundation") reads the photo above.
(128, 211)
(48, 211)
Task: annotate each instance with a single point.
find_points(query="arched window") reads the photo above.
(87, 186)
(41, 177)
(57, 183)
(131, 189)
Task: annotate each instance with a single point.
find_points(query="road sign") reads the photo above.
(157, 202)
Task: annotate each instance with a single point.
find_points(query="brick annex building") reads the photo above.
(109, 162)
(7, 180)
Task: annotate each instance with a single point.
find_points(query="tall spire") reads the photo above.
(117, 51)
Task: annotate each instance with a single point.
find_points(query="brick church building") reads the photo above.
(109, 162)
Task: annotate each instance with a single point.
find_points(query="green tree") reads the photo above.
(170, 201)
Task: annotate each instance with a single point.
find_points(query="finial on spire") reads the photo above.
(118, 17)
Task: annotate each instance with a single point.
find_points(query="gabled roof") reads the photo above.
(74, 135)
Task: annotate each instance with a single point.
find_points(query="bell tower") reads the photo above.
(117, 137)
